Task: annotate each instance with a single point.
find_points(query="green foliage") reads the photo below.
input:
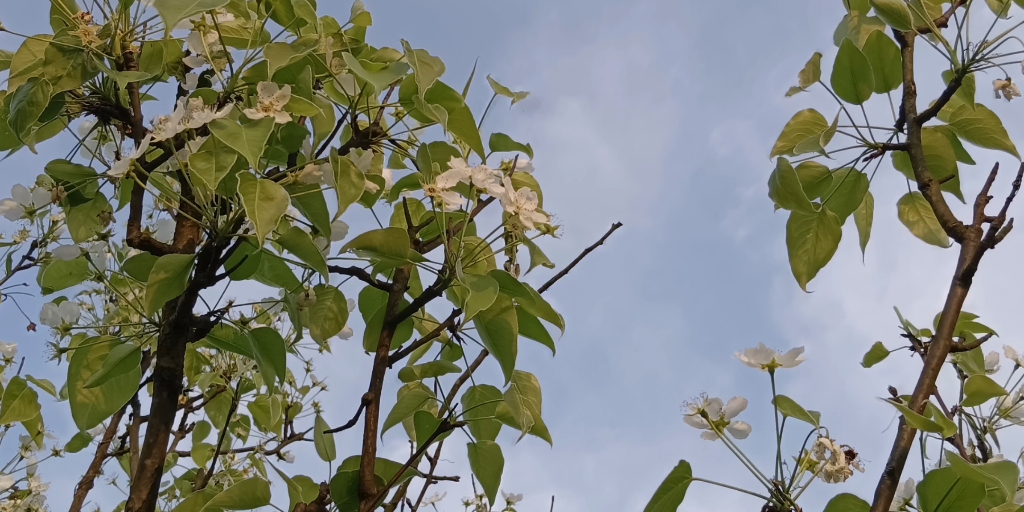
(672, 490)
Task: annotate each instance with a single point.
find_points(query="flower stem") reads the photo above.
(778, 431)
(727, 486)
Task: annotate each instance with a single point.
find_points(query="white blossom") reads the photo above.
(440, 189)
(766, 359)
(992, 362)
(306, 299)
(198, 113)
(54, 315)
(167, 126)
(511, 499)
(1008, 89)
(22, 199)
(339, 230)
(6, 482)
(522, 203)
(524, 165)
(904, 495)
(1011, 354)
(8, 350)
(67, 252)
(121, 166)
(191, 81)
(205, 48)
(361, 158)
(436, 498)
(710, 415)
(288, 457)
(98, 255)
(164, 231)
(271, 100)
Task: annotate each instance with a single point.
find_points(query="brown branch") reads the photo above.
(355, 417)
(361, 275)
(426, 338)
(969, 346)
(444, 427)
(943, 21)
(86, 483)
(368, 491)
(430, 478)
(205, 478)
(971, 251)
(999, 226)
(435, 290)
(320, 504)
(578, 259)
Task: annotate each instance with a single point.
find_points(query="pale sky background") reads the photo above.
(659, 114)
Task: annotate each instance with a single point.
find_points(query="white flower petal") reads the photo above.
(736, 405)
(739, 429)
(67, 252)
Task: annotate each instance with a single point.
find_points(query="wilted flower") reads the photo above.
(904, 495)
(306, 299)
(54, 315)
(271, 100)
(766, 359)
(838, 461)
(1007, 88)
(711, 415)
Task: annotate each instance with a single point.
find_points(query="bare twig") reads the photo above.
(578, 259)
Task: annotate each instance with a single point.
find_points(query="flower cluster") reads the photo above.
(837, 462)
(523, 203)
(716, 418)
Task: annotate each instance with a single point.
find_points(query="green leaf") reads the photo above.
(982, 127)
(330, 313)
(1000, 478)
(939, 155)
(789, 408)
(345, 490)
(876, 354)
(522, 406)
(501, 90)
(249, 140)
(383, 244)
(459, 119)
(863, 217)
(427, 370)
(811, 72)
(27, 103)
(852, 79)
(298, 242)
(498, 329)
(884, 57)
(270, 353)
(90, 407)
(482, 291)
(78, 442)
(916, 420)
(5, 60)
(245, 495)
(309, 200)
(487, 463)
(916, 214)
(943, 490)
(672, 490)
(426, 68)
(846, 502)
(785, 189)
(426, 425)
(807, 124)
(1000, 8)
(58, 274)
(86, 220)
(379, 79)
(209, 168)
(894, 13)
(501, 143)
(167, 280)
(70, 172)
(139, 267)
(815, 179)
(531, 328)
(122, 359)
(265, 202)
(349, 182)
(479, 406)
(411, 398)
(849, 186)
(324, 442)
(44, 385)
(173, 11)
(537, 256)
(980, 389)
(20, 402)
(812, 240)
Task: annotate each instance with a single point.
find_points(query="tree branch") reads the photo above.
(578, 259)
(361, 275)
(427, 338)
(102, 452)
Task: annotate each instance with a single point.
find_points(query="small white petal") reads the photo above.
(739, 429)
(67, 252)
(736, 405)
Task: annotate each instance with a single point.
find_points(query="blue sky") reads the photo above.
(658, 114)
